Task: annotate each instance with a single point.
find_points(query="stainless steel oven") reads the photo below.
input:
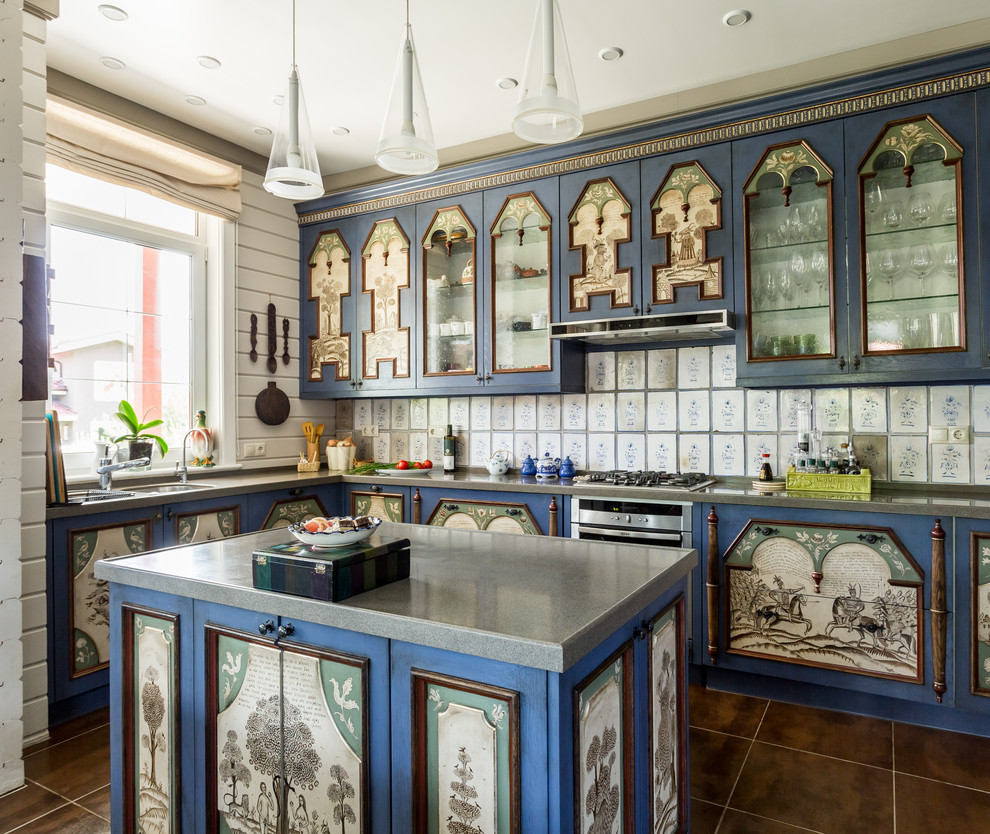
(631, 520)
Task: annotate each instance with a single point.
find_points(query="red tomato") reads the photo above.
(417, 465)
(402, 464)
(427, 464)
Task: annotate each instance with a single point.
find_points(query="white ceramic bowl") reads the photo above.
(339, 539)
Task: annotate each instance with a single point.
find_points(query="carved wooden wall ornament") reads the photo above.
(386, 273)
(599, 222)
(329, 283)
(686, 205)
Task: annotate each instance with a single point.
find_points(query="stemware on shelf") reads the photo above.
(819, 271)
(890, 263)
(921, 261)
(920, 207)
(893, 215)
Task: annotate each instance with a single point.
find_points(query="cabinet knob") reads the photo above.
(375, 488)
(636, 310)
(855, 362)
(488, 377)
(451, 507)
(158, 516)
(360, 383)
(169, 515)
(513, 511)
(842, 362)
(649, 309)
(296, 492)
(480, 379)
(286, 630)
(353, 384)
(267, 627)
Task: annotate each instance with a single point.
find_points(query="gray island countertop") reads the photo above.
(535, 601)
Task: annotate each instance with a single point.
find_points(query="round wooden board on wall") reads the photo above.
(272, 405)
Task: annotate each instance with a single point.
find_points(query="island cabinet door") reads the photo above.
(971, 554)
(860, 602)
(296, 720)
(385, 501)
(505, 512)
(79, 615)
(469, 744)
(152, 702)
(201, 521)
(280, 508)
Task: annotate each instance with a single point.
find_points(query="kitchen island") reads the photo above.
(512, 683)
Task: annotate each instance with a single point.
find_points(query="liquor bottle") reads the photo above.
(766, 473)
(449, 450)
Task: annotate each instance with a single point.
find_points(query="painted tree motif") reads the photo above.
(664, 766)
(153, 711)
(464, 801)
(266, 733)
(232, 768)
(602, 799)
(338, 792)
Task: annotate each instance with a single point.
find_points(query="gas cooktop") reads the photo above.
(648, 478)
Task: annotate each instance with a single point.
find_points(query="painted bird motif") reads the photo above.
(340, 693)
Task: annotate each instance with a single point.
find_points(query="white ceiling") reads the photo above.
(346, 52)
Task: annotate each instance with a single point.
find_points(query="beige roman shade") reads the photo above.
(98, 146)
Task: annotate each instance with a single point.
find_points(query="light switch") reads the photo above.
(938, 435)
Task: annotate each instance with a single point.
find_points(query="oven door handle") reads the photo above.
(672, 538)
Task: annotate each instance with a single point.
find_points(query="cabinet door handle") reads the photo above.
(855, 362)
(375, 488)
(513, 511)
(169, 515)
(842, 362)
(286, 630)
(296, 492)
(353, 384)
(451, 507)
(636, 310)
(158, 516)
(360, 383)
(649, 309)
(266, 627)
(480, 379)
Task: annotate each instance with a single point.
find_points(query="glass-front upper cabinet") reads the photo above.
(449, 298)
(520, 286)
(790, 288)
(910, 202)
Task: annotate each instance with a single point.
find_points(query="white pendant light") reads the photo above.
(293, 169)
(406, 143)
(548, 110)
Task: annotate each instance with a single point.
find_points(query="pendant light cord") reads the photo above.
(294, 33)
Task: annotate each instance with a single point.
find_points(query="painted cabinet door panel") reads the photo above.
(687, 252)
(972, 605)
(386, 501)
(495, 511)
(844, 602)
(600, 223)
(983, 132)
(284, 507)
(199, 521)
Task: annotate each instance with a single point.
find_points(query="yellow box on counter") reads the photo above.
(815, 482)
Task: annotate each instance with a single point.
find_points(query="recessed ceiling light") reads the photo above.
(112, 63)
(610, 53)
(506, 83)
(278, 100)
(263, 131)
(112, 12)
(207, 62)
(736, 18)
(340, 130)
(196, 101)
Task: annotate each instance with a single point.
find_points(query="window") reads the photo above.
(128, 305)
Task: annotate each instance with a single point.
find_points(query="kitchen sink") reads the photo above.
(164, 489)
(90, 496)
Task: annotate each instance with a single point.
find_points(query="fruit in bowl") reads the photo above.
(337, 531)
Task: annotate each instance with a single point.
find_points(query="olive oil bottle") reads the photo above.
(449, 450)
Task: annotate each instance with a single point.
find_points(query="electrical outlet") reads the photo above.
(254, 450)
(959, 434)
(259, 450)
(369, 431)
(436, 431)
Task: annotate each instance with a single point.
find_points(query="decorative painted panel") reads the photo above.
(386, 272)
(288, 511)
(289, 737)
(329, 282)
(89, 608)
(599, 222)
(668, 721)
(465, 756)
(482, 515)
(385, 505)
(980, 556)
(151, 721)
(208, 525)
(686, 206)
(846, 598)
(603, 760)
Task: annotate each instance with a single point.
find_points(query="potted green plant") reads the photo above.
(138, 437)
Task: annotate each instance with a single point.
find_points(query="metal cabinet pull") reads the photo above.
(296, 492)
(649, 309)
(480, 379)
(451, 507)
(488, 377)
(169, 515)
(375, 488)
(636, 310)
(842, 362)
(286, 630)
(266, 627)
(158, 516)
(855, 362)
(513, 511)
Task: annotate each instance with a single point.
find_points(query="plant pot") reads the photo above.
(140, 449)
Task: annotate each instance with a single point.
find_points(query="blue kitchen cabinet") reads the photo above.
(806, 603)
(686, 230)
(196, 521)
(280, 508)
(790, 232)
(983, 265)
(971, 566)
(476, 509)
(599, 230)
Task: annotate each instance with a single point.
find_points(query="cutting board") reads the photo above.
(272, 405)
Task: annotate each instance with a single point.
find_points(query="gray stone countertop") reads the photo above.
(927, 499)
(528, 600)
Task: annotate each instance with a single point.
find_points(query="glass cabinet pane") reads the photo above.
(449, 303)
(520, 284)
(911, 269)
(789, 271)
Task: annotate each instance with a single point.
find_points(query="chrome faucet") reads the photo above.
(107, 467)
(182, 471)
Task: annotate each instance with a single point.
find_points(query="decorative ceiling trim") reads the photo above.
(908, 94)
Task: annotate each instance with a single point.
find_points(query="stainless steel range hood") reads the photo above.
(666, 327)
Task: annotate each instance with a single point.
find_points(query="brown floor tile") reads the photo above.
(716, 759)
(823, 794)
(704, 817)
(725, 712)
(838, 734)
(24, 804)
(923, 806)
(72, 728)
(72, 768)
(948, 757)
(738, 822)
(69, 819)
(98, 802)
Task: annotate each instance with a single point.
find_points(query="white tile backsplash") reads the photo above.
(601, 371)
(949, 406)
(574, 412)
(694, 453)
(832, 410)
(481, 413)
(761, 410)
(693, 411)
(661, 411)
(869, 409)
(908, 409)
(661, 452)
(728, 410)
(631, 452)
(631, 370)
(601, 452)
(548, 412)
(661, 369)
(909, 458)
(693, 367)
(950, 463)
(724, 366)
(524, 413)
(601, 412)
(630, 411)
(502, 409)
